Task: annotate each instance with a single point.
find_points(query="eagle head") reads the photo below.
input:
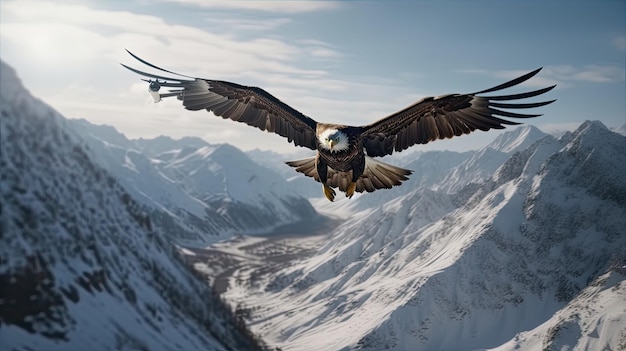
(333, 140)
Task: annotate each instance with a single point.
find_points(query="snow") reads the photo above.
(594, 320)
(82, 267)
(517, 139)
(483, 264)
(213, 191)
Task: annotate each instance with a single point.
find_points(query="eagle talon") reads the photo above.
(350, 190)
(329, 192)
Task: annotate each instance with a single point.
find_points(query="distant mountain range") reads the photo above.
(210, 191)
(517, 246)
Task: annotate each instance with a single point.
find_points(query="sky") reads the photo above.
(349, 62)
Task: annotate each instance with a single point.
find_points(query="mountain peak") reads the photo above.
(516, 139)
(162, 143)
(104, 133)
(589, 125)
(591, 133)
(214, 189)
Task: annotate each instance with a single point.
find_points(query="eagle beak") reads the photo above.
(331, 143)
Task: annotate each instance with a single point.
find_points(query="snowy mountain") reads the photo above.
(483, 163)
(212, 191)
(276, 161)
(517, 139)
(83, 267)
(303, 185)
(428, 170)
(528, 257)
(161, 144)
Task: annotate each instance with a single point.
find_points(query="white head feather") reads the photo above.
(334, 140)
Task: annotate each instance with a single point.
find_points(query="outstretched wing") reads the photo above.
(447, 116)
(250, 105)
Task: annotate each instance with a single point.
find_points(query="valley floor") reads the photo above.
(256, 256)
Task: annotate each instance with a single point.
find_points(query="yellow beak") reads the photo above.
(331, 143)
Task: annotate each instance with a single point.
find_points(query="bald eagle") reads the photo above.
(345, 154)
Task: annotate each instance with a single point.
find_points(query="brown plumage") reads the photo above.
(345, 154)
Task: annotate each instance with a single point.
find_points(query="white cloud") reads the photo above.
(83, 46)
(247, 24)
(326, 53)
(52, 42)
(285, 6)
(320, 49)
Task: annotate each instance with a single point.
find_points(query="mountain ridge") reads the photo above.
(82, 265)
(486, 264)
(212, 191)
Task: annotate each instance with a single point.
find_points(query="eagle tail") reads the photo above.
(305, 166)
(380, 175)
(377, 175)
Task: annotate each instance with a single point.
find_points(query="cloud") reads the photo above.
(620, 43)
(324, 53)
(77, 32)
(249, 24)
(284, 6)
(319, 49)
(588, 73)
(83, 46)
(541, 80)
(561, 75)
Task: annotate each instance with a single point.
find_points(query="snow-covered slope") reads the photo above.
(428, 168)
(276, 161)
(82, 266)
(517, 139)
(498, 264)
(594, 320)
(305, 186)
(212, 191)
(483, 163)
(156, 146)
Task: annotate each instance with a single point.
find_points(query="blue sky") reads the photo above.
(349, 62)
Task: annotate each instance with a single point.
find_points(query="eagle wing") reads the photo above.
(251, 105)
(447, 116)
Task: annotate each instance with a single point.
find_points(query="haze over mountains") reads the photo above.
(517, 246)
